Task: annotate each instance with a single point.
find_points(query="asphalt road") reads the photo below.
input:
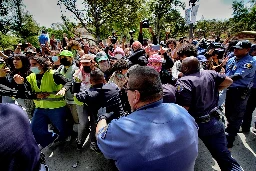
(66, 158)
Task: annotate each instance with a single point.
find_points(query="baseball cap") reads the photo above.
(201, 58)
(66, 53)
(244, 44)
(86, 58)
(101, 56)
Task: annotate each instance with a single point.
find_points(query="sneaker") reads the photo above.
(94, 147)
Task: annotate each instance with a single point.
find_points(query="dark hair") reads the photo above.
(147, 81)
(25, 64)
(187, 50)
(120, 64)
(44, 62)
(169, 41)
(97, 76)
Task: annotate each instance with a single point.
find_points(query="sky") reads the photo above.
(46, 12)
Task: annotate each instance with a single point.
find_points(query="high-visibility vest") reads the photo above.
(47, 86)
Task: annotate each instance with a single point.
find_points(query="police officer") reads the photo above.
(251, 105)
(198, 92)
(241, 69)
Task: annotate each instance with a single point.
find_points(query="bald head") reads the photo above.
(136, 45)
(190, 65)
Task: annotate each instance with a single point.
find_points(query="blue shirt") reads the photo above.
(245, 67)
(158, 136)
(43, 38)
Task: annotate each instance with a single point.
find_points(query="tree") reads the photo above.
(165, 12)
(16, 20)
(10, 12)
(98, 15)
(7, 41)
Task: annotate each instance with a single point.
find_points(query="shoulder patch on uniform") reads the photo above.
(234, 67)
(103, 132)
(179, 88)
(248, 65)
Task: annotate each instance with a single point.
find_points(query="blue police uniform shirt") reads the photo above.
(245, 67)
(201, 51)
(199, 91)
(158, 136)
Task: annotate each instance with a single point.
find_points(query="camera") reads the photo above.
(145, 23)
(113, 39)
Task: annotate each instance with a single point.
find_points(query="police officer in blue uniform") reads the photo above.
(241, 68)
(251, 105)
(198, 92)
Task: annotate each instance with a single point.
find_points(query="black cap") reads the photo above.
(244, 44)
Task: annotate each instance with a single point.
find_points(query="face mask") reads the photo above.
(104, 66)
(65, 62)
(35, 70)
(118, 56)
(87, 69)
(55, 58)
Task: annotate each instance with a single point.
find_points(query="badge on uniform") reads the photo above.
(234, 67)
(248, 65)
(179, 88)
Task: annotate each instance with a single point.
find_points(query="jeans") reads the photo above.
(83, 126)
(41, 119)
(214, 138)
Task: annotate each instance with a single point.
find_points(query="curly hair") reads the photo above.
(73, 43)
(169, 41)
(120, 64)
(44, 62)
(187, 50)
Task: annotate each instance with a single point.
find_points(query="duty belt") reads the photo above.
(206, 118)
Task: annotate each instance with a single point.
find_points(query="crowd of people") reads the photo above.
(143, 103)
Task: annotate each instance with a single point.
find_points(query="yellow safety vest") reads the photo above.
(47, 86)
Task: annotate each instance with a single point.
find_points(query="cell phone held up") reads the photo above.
(155, 47)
